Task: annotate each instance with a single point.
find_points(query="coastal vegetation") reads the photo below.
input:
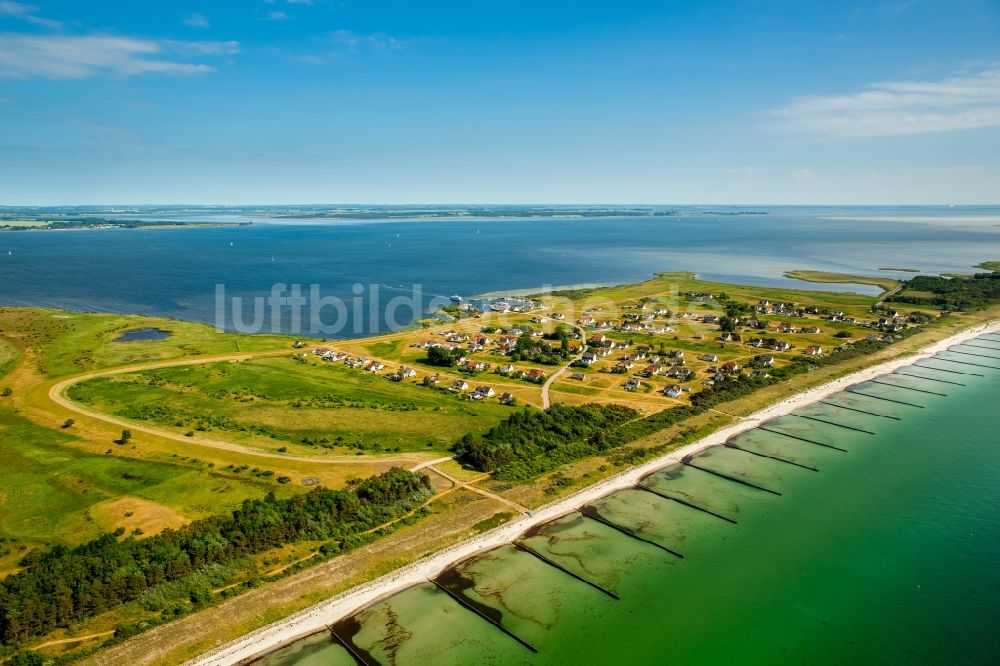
(956, 293)
(176, 570)
(272, 402)
(990, 265)
(886, 284)
(530, 442)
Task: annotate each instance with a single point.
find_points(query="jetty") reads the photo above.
(592, 513)
(687, 461)
(656, 492)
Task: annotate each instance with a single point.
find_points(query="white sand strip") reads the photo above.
(315, 618)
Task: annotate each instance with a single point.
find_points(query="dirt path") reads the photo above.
(57, 393)
(74, 639)
(485, 493)
(887, 294)
(562, 370)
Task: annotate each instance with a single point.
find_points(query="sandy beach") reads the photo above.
(315, 618)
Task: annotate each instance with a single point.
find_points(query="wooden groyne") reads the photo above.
(878, 397)
(975, 365)
(833, 423)
(967, 344)
(965, 353)
(952, 372)
(684, 502)
(528, 549)
(730, 445)
(909, 388)
(481, 610)
(930, 379)
(592, 513)
(360, 656)
(860, 411)
(687, 461)
(994, 358)
(801, 439)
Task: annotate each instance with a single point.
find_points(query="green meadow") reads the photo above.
(55, 492)
(8, 356)
(73, 342)
(282, 402)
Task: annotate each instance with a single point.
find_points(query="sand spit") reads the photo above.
(315, 618)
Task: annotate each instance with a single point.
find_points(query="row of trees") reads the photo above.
(64, 585)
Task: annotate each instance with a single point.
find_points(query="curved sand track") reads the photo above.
(57, 393)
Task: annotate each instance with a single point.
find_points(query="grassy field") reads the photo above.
(278, 402)
(8, 356)
(53, 491)
(990, 265)
(68, 343)
(24, 223)
(841, 278)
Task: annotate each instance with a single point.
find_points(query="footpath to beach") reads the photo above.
(316, 618)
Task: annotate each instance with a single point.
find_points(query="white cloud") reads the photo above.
(299, 2)
(191, 49)
(27, 13)
(77, 57)
(278, 16)
(803, 175)
(898, 108)
(355, 41)
(196, 20)
(745, 170)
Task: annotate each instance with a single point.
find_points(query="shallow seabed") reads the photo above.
(880, 544)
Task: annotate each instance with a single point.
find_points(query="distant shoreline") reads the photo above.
(158, 225)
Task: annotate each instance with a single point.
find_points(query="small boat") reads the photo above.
(456, 298)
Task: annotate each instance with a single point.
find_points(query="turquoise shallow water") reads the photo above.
(890, 553)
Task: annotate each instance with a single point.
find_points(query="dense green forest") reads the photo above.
(66, 585)
(530, 441)
(956, 293)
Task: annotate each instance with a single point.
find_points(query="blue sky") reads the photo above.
(313, 101)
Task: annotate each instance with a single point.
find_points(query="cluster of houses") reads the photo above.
(631, 323)
(892, 322)
(480, 392)
(639, 361)
(362, 362)
(510, 370)
(503, 344)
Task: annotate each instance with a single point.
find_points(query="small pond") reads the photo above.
(143, 334)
